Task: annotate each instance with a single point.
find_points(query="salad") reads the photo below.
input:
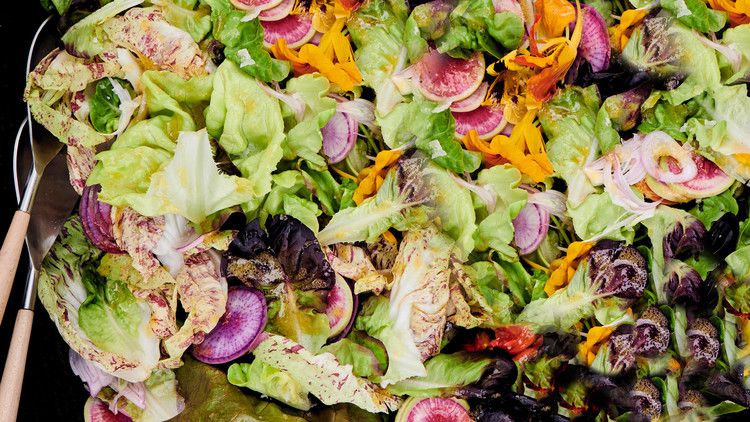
(317, 210)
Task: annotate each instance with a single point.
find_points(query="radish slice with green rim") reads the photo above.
(238, 331)
(473, 101)
(278, 12)
(341, 308)
(530, 227)
(96, 410)
(295, 29)
(339, 136)
(709, 181)
(255, 5)
(435, 409)
(488, 121)
(444, 78)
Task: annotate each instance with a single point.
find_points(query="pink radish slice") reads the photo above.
(341, 307)
(437, 409)
(473, 101)
(594, 46)
(253, 5)
(278, 12)
(96, 410)
(295, 29)
(531, 226)
(339, 136)
(486, 120)
(238, 331)
(710, 180)
(441, 77)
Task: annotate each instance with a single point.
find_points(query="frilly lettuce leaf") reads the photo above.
(290, 196)
(569, 121)
(179, 13)
(377, 30)
(62, 291)
(145, 31)
(724, 129)
(87, 36)
(453, 204)
(269, 381)
(248, 124)
(495, 229)
(326, 379)
(445, 372)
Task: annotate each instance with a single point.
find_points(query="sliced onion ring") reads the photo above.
(657, 145)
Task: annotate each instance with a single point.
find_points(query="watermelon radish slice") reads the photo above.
(341, 308)
(488, 121)
(666, 191)
(96, 410)
(473, 101)
(255, 5)
(278, 12)
(594, 46)
(238, 331)
(530, 228)
(710, 180)
(295, 29)
(339, 136)
(444, 78)
(436, 409)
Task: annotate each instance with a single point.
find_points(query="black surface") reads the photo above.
(50, 392)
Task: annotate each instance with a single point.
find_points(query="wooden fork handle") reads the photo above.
(10, 254)
(15, 365)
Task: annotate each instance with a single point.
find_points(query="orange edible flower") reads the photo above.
(332, 58)
(738, 11)
(620, 33)
(564, 268)
(371, 178)
(554, 16)
(472, 143)
(596, 337)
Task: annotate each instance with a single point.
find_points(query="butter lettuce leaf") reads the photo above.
(269, 381)
(445, 372)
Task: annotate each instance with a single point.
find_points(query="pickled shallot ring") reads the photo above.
(658, 145)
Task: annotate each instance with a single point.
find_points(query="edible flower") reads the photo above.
(371, 178)
(737, 11)
(554, 16)
(524, 149)
(595, 338)
(332, 58)
(620, 33)
(518, 341)
(564, 268)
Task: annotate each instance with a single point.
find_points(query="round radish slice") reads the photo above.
(295, 29)
(339, 136)
(473, 101)
(594, 46)
(436, 409)
(96, 410)
(710, 180)
(342, 305)
(488, 121)
(254, 5)
(277, 12)
(444, 78)
(238, 331)
(530, 226)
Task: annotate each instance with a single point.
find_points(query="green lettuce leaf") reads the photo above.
(160, 395)
(290, 195)
(698, 61)
(453, 204)
(363, 361)
(332, 195)
(495, 229)
(269, 381)
(737, 38)
(724, 129)
(248, 124)
(87, 37)
(304, 139)
(434, 134)
(326, 379)
(712, 208)
(486, 279)
(197, 22)
(243, 42)
(597, 216)
(658, 114)
(377, 30)
(739, 260)
(105, 107)
(696, 14)
(68, 283)
(445, 372)
(303, 324)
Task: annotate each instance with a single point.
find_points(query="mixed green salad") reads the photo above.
(346, 210)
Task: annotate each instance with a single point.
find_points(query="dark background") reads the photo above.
(50, 390)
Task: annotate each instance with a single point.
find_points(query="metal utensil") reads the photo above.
(44, 149)
(54, 199)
